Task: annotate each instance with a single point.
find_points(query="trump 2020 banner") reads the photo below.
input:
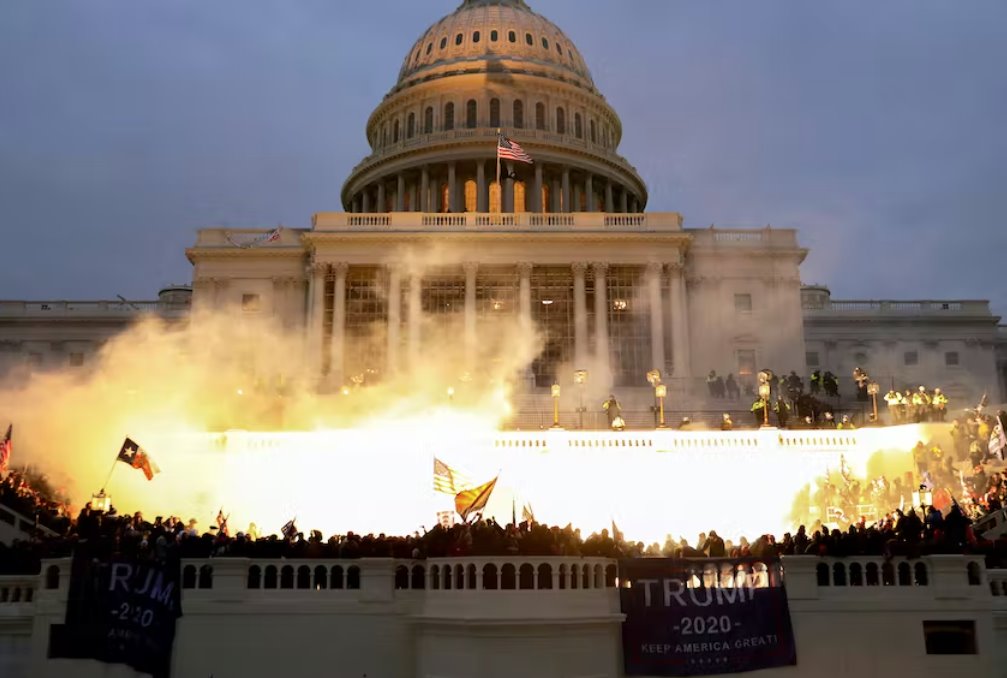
(120, 610)
(702, 617)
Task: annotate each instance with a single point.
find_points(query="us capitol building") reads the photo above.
(427, 234)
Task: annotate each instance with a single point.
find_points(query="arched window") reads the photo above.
(512, 36)
(494, 112)
(540, 116)
(395, 132)
(494, 36)
(458, 39)
(476, 37)
(530, 40)
(471, 114)
(444, 43)
(578, 126)
(411, 126)
(518, 114)
(594, 134)
(545, 44)
(428, 120)
(560, 121)
(559, 49)
(430, 47)
(449, 116)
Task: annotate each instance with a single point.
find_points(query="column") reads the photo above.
(482, 191)
(556, 196)
(355, 207)
(400, 193)
(575, 198)
(601, 317)
(316, 313)
(414, 198)
(567, 204)
(338, 324)
(624, 201)
(394, 318)
(452, 187)
(470, 268)
(415, 318)
(632, 204)
(366, 200)
(656, 317)
(425, 190)
(382, 205)
(536, 201)
(508, 195)
(524, 293)
(579, 316)
(679, 311)
(589, 192)
(609, 198)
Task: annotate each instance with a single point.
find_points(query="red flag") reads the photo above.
(470, 501)
(6, 447)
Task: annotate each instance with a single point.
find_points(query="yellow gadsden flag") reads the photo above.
(468, 502)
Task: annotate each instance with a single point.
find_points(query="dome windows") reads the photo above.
(545, 43)
(560, 121)
(471, 114)
(476, 37)
(578, 126)
(444, 43)
(411, 126)
(530, 40)
(395, 132)
(428, 120)
(494, 113)
(594, 133)
(494, 36)
(519, 114)
(512, 36)
(540, 116)
(430, 48)
(449, 116)
(559, 49)
(459, 38)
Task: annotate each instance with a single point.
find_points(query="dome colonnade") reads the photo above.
(494, 65)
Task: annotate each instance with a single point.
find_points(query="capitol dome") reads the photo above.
(494, 65)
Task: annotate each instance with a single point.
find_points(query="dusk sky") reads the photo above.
(878, 129)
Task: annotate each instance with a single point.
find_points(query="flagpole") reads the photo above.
(110, 472)
(499, 185)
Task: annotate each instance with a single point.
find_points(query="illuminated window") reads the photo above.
(746, 362)
(540, 116)
(428, 120)
(951, 359)
(76, 359)
(471, 196)
(250, 303)
(520, 200)
(545, 198)
(496, 201)
(552, 312)
(578, 126)
(743, 303)
(494, 112)
(628, 327)
(471, 114)
(519, 115)
(560, 121)
(910, 358)
(445, 198)
(449, 116)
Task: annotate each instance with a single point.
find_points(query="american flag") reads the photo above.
(448, 480)
(511, 150)
(6, 446)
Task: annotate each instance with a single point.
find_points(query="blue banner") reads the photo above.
(120, 610)
(703, 617)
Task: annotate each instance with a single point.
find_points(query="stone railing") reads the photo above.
(474, 221)
(86, 309)
(764, 238)
(897, 308)
(17, 591)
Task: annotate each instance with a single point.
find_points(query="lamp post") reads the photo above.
(555, 405)
(764, 394)
(873, 389)
(661, 391)
(580, 379)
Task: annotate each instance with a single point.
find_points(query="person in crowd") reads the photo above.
(816, 382)
(894, 401)
(711, 383)
(759, 411)
(713, 546)
(921, 405)
(726, 424)
(828, 420)
(719, 388)
(795, 386)
(845, 424)
(861, 379)
(830, 383)
(614, 412)
(732, 388)
(939, 403)
(782, 410)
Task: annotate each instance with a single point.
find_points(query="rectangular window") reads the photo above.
(950, 637)
(746, 362)
(951, 359)
(743, 302)
(911, 358)
(811, 358)
(76, 359)
(250, 303)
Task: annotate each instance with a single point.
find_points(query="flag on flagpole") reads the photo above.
(468, 502)
(132, 454)
(617, 535)
(289, 531)
(448, 480)
(508, 149)
(6, 447)
(527, 514)
(222, 522)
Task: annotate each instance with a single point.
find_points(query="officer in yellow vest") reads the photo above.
(940, 405)
(894, 400)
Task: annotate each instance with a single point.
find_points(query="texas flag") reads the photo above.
(134, 455)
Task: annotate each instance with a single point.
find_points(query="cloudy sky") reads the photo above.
(878, 129)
